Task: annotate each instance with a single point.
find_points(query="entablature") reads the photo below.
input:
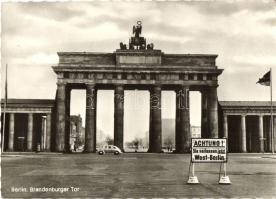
(134, 58)
(251, 111)
(128, 82)
(27, 110)
(120, 74)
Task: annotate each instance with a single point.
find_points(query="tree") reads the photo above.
(136, 143)
(168, 142)
(129, 144)
(109, 140)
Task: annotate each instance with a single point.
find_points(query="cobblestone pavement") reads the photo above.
(134, 175)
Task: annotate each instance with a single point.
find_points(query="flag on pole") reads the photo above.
(4, 110)
(265, 80)
(6, 84)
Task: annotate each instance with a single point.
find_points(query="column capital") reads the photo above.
(156, 87)
(61, 83)
(181, 87)
(203, 91)
(90, 85)
(184, 86)
(119, 87)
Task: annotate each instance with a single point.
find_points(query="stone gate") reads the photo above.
(138, 67)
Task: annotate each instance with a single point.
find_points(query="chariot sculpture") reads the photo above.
(136, 42)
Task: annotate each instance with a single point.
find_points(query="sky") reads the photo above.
(242, 33)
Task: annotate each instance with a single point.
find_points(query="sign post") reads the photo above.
(211, 150)
(224, 179)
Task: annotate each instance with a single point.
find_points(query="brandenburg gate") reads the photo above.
(138, 66)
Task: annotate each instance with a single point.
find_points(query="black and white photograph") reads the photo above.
(138, 99)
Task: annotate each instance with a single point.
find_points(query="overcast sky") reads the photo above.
(242, 33)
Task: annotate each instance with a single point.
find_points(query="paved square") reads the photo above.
(134, 175)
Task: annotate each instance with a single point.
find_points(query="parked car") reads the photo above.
(109, 149)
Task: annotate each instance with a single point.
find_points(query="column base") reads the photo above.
(185, 150)
(181, 151)
(84, 151)
(155, 151)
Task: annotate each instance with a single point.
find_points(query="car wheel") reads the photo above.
(101, 153)
(116, 153)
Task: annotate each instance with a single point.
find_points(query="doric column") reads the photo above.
(60, 118)
(213, 113)
(177, 121)
(67, 119)
(30, 132)
(43, 134)
(204, 117)
(271, 139)
(90, 120)
(268, 137)
(261, 134)
(182, 134)
(274, 127)
(225, 126)
(11, 132)
(72, 132)
(48, 132)
(119, 117)
(243, 134)
(155, 139)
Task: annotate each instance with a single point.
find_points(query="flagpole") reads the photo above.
(4, 110)
(271, 114)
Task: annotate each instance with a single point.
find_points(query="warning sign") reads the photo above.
(209, 150)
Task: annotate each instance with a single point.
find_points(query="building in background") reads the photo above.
(247, 125)
(76, 133)
(28, 125)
